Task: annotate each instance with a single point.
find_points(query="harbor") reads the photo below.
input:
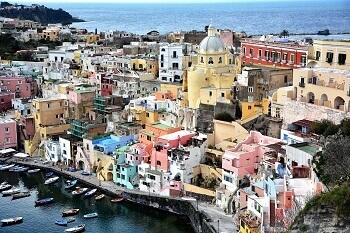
(207, 218)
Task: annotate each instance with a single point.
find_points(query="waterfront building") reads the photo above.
(52, 150)
(49, 114)
(68, 145)
(333, 54)
(268, 51)
(8, 135)
(297, 132)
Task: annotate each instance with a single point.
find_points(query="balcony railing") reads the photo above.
(301, 84)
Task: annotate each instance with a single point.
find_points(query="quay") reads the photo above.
(204, 217)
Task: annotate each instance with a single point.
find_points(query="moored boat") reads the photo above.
(70, 219)
(34, 170)
(91, 215)
(61, 222)
(99, 197)
(11, 191)
(22, 169)
(85, 173)
(5, 187)
(7, 167)
(70, 184)
(70, 212)
(90, 193)
(11, 221)
(79, 191)
(14, 168)
(20, 195)
(117, 199)
(49, 174)
(44, 201)
(51, 180)
(79, 228)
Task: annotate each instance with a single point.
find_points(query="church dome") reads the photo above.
(211, 43)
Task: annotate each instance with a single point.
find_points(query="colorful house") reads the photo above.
(8, 135)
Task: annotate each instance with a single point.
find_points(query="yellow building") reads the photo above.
(50, 34)
(323, 87)
(278, 99)
(49, 114)
(329, 54)
(139, 64)
(215, 69)
(92, 38)
(247, 225)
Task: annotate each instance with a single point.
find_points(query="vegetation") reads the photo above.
(9, 46)
(338, 198)
(37, 13)
(224, 116)
(333, 164)
(327, 128)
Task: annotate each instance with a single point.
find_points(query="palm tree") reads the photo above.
(284, 33)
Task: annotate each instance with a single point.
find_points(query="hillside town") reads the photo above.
(213, 114)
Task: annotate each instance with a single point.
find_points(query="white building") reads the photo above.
(52, 150)
(170, 63)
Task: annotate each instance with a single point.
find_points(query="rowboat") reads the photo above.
(91, 215)
(61, 222)
(34, 170)
(99, 197)
(11, 221)
(90, 193)
(5, 187)
(11, 191)
(14, 168)
(85, 173)
(22, 169)
(70, 212)
(20, 195)
(3, 168)
(70, 184)
(44, 201)
(117, 199)
(70, 219)
(79, 228)
(48, 174)
(51, 180)
(79, 191)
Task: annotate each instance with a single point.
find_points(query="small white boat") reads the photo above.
(91, 215)
(11, 191)
(5, 187)
(11, 221)
(79, 228)
(79, 191)
(7, 167)
(51, 180)
(34, 170)
(90, 193)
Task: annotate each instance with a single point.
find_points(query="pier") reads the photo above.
(204, 217)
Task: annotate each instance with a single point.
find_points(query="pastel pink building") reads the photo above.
(5, 100)
(23, 87)
(8, 133)
(159, 155)
(245, 158)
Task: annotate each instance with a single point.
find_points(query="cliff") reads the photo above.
(329, 212)
(37, 13)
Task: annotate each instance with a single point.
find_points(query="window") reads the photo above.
(152, 177)
(331, 80)
(162, 57)
(57, 116)
(247, 161)
(318, 55)
(244, 51)
(8, 140)
(147, 114)
(48, 105)
(64, 152)
(251, 52)
(202, 60)
(292, 58)
(250, 89)
(285, 56)
(243, 223)
(149, 138)
(249, 107)
(222, 94)
(220, 60)
(7, 129)
(285, 78)
(341, 59)
(329, 57)
(259, 54)
(174, 54)
(266, 55)
(210, 93)
(159, 163)
(19, 81)
(210, 60)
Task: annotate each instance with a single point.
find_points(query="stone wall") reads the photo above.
(185, 208)
(294, 111)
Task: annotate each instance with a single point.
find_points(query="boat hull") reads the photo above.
(11, 221)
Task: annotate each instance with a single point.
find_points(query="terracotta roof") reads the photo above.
(303, 122)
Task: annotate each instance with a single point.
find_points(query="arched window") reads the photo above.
(210, 60)
(163, 49)
(220, 60)
(202, 60)
(159, 163)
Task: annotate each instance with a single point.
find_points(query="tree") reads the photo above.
(345, 127)
(284, 34)
(333, 164)
(320, 127)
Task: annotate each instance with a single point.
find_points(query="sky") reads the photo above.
(144, 1)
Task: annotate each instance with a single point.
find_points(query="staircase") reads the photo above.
(230, 200)
(87, 158)
(104, 178)
(32, 145)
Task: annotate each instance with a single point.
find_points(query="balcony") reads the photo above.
(172, 56)
(301, 84)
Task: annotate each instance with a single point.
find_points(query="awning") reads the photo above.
(21, 155)
(4, 151)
